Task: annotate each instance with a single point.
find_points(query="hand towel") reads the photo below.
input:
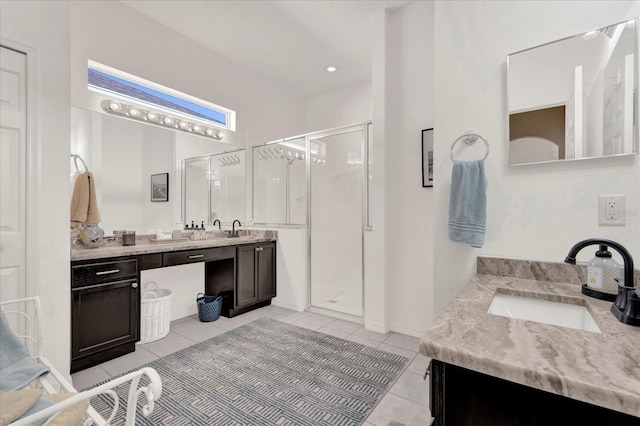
(84, 204)
(468, 203)
(17, 369)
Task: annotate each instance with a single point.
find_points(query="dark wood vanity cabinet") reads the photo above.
(255, 275)
(105, 311)
(462, 397)
(105, 295)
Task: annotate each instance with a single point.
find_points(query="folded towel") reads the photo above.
(468, 203)
(17, 369)
(84, 204)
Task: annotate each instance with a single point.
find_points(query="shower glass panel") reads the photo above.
(227, 186)
(279, 182)
(195, 190)
(336, 222)
(213, 187)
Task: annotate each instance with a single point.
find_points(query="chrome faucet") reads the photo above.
(233, 233)
(218, 221)
(626, 308)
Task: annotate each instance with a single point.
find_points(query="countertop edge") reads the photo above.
(151, 248)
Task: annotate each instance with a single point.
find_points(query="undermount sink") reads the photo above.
(543, 311)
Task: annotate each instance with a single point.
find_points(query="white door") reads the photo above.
(13, 160)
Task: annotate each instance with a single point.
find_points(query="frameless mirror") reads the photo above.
(122, 155)
(574, 98)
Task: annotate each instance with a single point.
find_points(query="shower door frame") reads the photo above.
(363, 128)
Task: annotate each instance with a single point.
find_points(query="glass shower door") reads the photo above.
(336, 222)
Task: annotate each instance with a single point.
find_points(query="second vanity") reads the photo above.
(106, 291)
(494, 370)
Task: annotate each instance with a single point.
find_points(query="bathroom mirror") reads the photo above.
(214, 187)
(123, 154)
(574, 98)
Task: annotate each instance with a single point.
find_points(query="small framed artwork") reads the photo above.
(427, 158)
(160, 187)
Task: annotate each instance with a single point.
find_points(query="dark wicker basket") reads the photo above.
(209, 307)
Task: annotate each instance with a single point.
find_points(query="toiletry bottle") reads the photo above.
(602, 271)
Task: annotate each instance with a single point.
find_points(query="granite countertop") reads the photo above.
(112, 246)
(602, 369)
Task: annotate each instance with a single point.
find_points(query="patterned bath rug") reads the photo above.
(267, 373)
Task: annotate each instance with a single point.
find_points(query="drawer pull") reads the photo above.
(111, 271)
(196, 256)
(134, 285)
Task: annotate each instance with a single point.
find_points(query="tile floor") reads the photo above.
(404, 404)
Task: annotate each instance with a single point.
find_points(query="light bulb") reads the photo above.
(168, 121)
(208, 132)
(114, 106)
(134, 112)
(197, 128)
(183, 124)
(152, 116)
(220, 135)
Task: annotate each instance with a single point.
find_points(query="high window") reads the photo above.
(147, 94)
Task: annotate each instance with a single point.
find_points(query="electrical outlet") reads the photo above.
(611, 210)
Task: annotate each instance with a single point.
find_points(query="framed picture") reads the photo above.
(427, 158)
(160, 187)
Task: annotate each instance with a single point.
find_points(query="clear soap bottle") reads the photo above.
(602, 272)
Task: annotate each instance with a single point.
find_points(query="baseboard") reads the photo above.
(408, 331)
(283, 304)
(376, 326)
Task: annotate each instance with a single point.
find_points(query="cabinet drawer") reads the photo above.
(191, 256)
(97, 273)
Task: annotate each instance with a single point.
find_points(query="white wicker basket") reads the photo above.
(155, 313)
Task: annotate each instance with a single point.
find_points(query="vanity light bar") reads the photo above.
(159, 119)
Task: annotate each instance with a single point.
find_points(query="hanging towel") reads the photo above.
(17, 369)
(84, 205)
(468, 203)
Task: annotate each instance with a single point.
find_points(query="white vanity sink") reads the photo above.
(544, 311)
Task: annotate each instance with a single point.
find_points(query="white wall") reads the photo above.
(408, 206)
(537, 211)
(351, 105)
(152, 51)
(30, 24)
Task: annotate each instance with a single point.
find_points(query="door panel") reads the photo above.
(336, 223)
(246, 289)
(13, 123)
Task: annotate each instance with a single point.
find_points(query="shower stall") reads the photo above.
(320, 181)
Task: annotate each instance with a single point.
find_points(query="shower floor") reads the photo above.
(344, 300)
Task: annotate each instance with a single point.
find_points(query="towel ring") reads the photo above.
(76, 157)
(469, 138)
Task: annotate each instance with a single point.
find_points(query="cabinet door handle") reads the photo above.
(134, 285)
(111, 271)
(196, 256)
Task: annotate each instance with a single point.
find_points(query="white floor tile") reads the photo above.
(371, 335)
(342, 325)
(169, 344)
(403, 341)
(412, 387)
(86, 378)
(361, 340)
(398, 351)
(419, 364)
(395, 410)
(332, 332)
(198, 331)
(128, 362)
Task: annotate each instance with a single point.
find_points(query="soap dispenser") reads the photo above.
(603, 273)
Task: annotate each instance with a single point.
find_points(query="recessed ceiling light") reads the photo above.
(332, 69)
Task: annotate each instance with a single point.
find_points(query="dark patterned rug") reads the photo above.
(267, 373)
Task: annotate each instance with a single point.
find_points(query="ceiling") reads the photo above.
(290, 42)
